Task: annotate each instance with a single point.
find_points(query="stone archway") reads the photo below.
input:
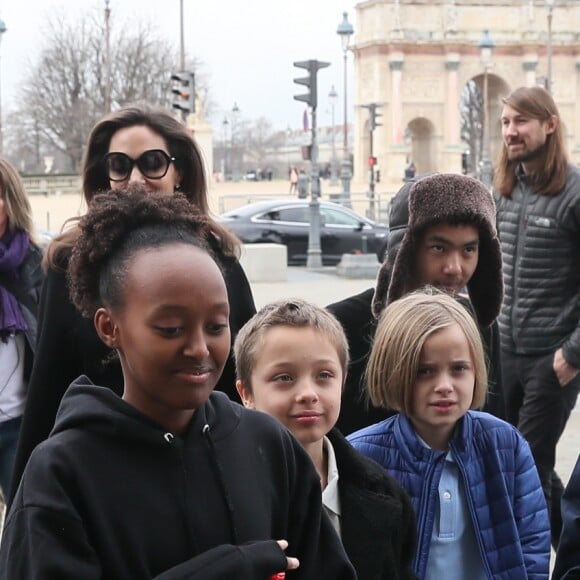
(498, 88)
(414, 56)
(473, 116)
(420, 132)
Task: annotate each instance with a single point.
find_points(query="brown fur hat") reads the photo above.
(453, 199)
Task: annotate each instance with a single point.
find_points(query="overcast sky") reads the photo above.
(247, 47)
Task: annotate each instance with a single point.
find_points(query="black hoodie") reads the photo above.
(113, 495)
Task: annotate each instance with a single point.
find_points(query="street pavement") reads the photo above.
(325, 286)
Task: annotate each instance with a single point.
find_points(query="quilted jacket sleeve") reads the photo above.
(531, 513)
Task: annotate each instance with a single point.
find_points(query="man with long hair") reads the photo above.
(538, 218)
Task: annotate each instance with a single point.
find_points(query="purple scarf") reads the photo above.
(13, 249)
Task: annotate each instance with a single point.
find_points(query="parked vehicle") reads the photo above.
(287, 222)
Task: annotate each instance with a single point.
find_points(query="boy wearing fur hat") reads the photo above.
(442, 233)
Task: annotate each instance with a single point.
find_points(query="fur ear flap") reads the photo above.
(106, 328)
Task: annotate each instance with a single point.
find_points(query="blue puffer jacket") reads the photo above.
(504, 494)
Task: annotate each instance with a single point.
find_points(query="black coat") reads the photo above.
(68, 346)
(354, 313)
(377, 521)
(567, 565)
(111, 494)
(540, 236)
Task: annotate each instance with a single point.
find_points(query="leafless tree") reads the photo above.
(259, 140)
(23, 145)
(471, 106)
(64, 90)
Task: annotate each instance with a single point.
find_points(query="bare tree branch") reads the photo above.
(64, 89)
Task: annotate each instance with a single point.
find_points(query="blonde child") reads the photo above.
(291, 361)
(472, 480)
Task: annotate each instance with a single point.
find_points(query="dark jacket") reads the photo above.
(358, 323)
(540, 238)
(567, 566)
(503, 489)
(68, 346)
(111, 494)
(377, 521)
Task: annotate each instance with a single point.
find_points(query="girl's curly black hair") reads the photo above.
(120, 223)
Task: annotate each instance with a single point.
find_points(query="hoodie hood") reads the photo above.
(444, 198)
(98, 409)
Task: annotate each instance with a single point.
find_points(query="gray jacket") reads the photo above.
(540, 241)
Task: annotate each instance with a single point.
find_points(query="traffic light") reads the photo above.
(183, 89)
(373, 115)
(372, 161)
(310, 82)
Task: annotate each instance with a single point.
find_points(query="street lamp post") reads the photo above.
(2, 31)
(107, 57)
(486, 46)
(225, 124)
(181, 37)
(333, 97)
(345, 31)
(550, 9)
(234, 127)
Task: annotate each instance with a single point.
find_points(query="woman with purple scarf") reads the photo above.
(20, 282)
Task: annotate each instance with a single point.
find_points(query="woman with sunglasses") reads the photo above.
(135, 147)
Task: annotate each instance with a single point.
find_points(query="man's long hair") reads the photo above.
(535, 103)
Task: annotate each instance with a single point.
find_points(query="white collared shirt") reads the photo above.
(330, 497)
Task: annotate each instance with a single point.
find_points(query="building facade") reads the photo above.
(415, 57)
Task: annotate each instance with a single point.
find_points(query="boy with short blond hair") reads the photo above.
(291, 362)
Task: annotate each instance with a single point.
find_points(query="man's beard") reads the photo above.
(527, 156)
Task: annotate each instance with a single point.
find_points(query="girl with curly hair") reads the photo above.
(171, 480)
(137, 146)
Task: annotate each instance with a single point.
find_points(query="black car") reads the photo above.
(287, 222)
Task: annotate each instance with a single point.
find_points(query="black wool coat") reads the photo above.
(377, 521)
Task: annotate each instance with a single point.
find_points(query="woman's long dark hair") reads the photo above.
(181, 145)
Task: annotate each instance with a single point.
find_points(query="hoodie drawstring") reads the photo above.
(220, 475)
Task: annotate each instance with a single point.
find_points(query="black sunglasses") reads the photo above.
(153, 164)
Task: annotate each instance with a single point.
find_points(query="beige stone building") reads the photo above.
(415, 56)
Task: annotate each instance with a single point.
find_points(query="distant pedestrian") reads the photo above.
(293, 180)
(472, 480)
(538, 218)
(20, 282)
(410, 171)
(302, 184)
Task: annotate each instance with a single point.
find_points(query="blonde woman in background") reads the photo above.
(20, 282)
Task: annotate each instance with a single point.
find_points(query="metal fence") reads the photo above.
(51, 184)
